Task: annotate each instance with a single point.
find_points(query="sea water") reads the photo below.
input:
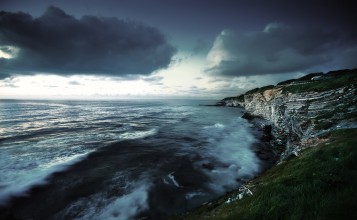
(119, 159)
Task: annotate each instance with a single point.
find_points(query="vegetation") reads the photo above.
(319, 184)
(329, 81)
(240, 98)
(302, 79)
(260, 90)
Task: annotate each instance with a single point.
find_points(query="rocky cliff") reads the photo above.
(314, 118)
(302, 109)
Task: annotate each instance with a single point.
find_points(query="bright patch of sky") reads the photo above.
(185, 77)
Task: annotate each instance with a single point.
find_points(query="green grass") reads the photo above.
(319, 184)
(332, 80)
(323, 125)
(260, 90)
(304, 78)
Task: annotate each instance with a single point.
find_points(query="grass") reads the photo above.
(304, 78)
(323, 125)
(319, 184)
(259, 90)
(332, 80)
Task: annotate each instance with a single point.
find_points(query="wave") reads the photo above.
(40, 133)
(229, 156)
(137, 134)
(217, 125)
(13, 186)
(37, 161)
(133, 201)
(127, 206)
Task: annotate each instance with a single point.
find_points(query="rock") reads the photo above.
(248, 116)
(267, 135)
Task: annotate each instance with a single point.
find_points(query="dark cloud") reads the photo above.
(60, 43)
(281, 49)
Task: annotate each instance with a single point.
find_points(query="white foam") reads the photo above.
(232, 147)
(125, 207)
(36, 174)
(165, 181)
(172, 178)
(137, 134)
(190, 195)
(216, 125)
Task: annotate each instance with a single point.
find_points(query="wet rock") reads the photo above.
(248, 116)
(267, 135)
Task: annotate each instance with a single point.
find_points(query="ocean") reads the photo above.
(119, 159)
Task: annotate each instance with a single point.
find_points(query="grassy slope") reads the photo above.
(331, 80)
(319, 184)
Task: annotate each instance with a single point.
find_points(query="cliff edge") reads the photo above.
(303, 109)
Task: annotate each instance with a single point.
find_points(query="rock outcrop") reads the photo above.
(300, 110)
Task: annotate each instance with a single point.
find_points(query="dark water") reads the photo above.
(119, 159)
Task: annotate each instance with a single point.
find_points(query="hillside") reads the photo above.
(314, 125)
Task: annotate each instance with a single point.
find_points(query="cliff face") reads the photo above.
(302, 109)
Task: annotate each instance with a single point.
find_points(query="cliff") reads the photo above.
(314, 122)
(302, 109)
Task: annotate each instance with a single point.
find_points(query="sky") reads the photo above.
(122, 49)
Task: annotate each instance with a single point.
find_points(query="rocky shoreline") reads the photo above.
(297, 119)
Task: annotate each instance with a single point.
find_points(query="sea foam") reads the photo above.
(230, 149)
(36, 175)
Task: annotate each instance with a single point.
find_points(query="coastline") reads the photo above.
(302, 119)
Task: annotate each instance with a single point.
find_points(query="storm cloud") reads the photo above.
(62, 44)
(279, 48)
